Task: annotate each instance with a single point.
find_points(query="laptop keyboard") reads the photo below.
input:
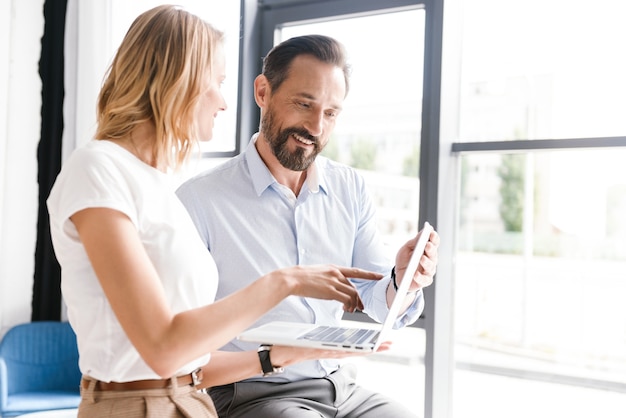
(340, 335)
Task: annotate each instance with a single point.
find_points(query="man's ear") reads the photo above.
(261, 90)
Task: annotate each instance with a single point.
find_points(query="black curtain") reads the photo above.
(47, 286)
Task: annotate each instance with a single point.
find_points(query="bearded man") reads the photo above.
(280, 203)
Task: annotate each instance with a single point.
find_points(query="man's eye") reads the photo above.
(304, 105)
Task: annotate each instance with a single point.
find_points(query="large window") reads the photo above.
(532, 187)
(538, 69)
(531, 196)
(539, 232)
(378, 133)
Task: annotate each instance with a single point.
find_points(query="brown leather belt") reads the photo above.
(194, 378)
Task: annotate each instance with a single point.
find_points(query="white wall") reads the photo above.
(88, 52)
(21, 29)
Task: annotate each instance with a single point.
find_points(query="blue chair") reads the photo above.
(38, 368)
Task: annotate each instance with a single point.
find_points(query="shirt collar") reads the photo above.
(259, 173)
(262, 178)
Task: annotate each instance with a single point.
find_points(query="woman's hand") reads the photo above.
(283, 356)
(327, 282)
(233, 366)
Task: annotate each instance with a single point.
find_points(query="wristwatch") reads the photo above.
(266, 364)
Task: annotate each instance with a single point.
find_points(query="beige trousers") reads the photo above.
(173, 402)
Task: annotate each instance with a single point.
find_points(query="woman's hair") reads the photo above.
(278, 61)
(157, 75)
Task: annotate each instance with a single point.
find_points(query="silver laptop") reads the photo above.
(347, 338)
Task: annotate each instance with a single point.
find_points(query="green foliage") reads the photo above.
(331, 150)
(363, 154)
(411, 164)
(511, 173)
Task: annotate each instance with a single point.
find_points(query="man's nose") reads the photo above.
(315, 123)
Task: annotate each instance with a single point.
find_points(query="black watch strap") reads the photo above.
(395, 284)
(266, 362)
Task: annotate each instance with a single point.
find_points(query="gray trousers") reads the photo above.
(336, 396)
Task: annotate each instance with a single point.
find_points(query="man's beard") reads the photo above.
(297, 160)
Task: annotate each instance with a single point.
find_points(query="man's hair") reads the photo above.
(157, 75)
(278, 61)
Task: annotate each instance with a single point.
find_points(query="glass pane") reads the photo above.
(222, 15)
(542, 69)
(539, 284)
(378, 133)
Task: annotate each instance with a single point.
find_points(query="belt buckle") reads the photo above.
(196, 378)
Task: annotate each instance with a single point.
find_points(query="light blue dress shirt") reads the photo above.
(253, 225)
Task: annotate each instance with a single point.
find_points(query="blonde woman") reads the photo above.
(138, 281)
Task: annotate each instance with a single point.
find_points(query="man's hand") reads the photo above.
(428, 263)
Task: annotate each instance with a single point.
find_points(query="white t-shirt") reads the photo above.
(103, 174)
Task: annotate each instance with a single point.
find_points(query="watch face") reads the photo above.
(278, 370)
(275, 370)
